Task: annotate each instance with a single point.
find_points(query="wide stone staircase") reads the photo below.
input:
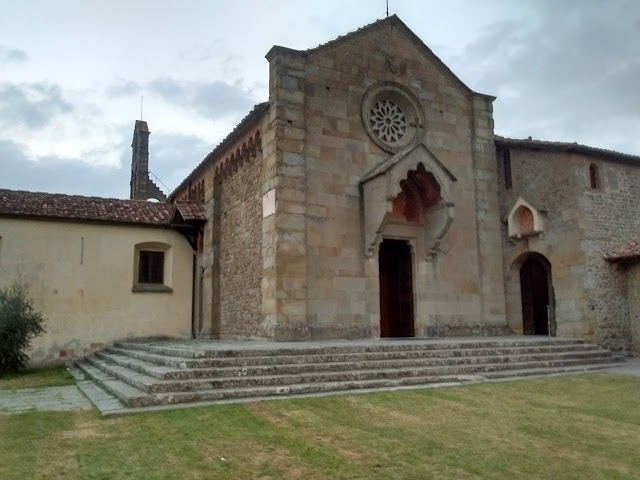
(156, 373)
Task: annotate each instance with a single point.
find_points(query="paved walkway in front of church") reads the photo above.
(50, 399)
(57, 399)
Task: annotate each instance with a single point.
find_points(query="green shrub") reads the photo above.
(19, 324)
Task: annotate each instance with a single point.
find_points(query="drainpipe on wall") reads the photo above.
(193, 296)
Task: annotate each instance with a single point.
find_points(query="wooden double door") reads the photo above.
(396, 289)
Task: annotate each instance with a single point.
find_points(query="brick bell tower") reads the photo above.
(142, 187)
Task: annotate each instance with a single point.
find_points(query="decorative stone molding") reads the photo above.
(523, 219)
(392, 117)
(382, 185)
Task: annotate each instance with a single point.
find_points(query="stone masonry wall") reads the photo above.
(611, 219)
(633, 292)
(342, 286)
(240, 251)
(552, 183)
(581, 226)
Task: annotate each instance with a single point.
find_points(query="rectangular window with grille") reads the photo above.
(151, 267)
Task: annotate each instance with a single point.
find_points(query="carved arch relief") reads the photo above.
(411, 188)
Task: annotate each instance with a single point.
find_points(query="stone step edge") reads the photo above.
(184, 362)
(128, 394)
(309, 349)
(168, 373)
(532, 373)
(121, 390)
(149, 384)
(101, 399)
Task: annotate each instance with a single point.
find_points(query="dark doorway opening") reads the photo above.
(396, 289)
(536, 291)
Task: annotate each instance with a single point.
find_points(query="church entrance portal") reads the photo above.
(535, 287)
(396, 289)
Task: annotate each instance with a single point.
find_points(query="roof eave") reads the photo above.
(567, 147)
(94, 221)
(251, 119)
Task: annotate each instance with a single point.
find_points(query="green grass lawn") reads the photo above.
(579, 427)
(36, 378)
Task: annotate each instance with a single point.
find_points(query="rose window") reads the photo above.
(387, 121)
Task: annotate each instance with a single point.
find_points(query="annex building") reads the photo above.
(368, 197)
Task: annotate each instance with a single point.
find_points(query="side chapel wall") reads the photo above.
(581, 225)
(611, 219)
(552, 183)
(80, 276)
(633, 289)
(240, 220)
(227, 298)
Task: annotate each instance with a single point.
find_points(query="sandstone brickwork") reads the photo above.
(241, 252)
(319, 150)
(227, 301)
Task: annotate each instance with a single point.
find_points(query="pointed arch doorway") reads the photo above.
(537, 295)
(396, 289)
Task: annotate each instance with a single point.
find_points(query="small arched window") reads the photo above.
(593, 176)
(526, 220)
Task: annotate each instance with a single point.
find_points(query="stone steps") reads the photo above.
(169, 373)
(156, 374)
(180, 362)
(154, 385)
(303, 348)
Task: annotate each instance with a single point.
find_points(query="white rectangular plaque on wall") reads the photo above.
(269, 203)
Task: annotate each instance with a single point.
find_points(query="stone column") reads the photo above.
(488, 215)
(284, 284)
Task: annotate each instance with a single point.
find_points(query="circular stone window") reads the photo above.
(392, 116)
(387, 121)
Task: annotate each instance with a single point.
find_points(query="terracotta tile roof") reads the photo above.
(191, 210)
(255, 114)
(628, 250)
(18, 203)
(567, 147)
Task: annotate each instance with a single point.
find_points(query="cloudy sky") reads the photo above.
(72, 74)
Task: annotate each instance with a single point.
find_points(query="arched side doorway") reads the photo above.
(396, 289)
(536, 290)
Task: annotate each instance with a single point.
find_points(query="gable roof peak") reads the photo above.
(391, 20)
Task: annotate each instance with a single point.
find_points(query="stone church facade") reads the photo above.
(369, 197)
